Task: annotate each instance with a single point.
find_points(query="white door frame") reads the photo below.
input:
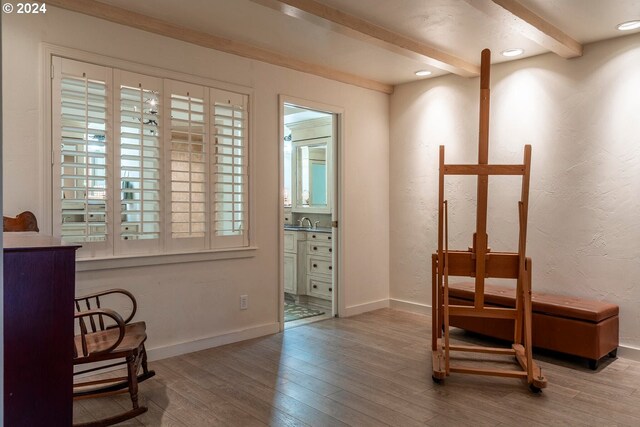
(336, 202)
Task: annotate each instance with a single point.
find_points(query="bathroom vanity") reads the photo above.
(308, 265)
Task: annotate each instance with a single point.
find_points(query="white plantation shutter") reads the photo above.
(138, 159)
(229, 169)
(82, 140)
(143, 164)
(187, 150)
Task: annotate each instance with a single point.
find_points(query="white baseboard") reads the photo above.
(629, 352)
(363, 308)
(172, 350)
(412, 307)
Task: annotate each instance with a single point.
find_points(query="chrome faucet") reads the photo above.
(302, 220)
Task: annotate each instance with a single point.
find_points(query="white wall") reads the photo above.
(582, 117)
(186, 302)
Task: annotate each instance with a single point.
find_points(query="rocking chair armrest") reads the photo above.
(120, 324)
(97, 296)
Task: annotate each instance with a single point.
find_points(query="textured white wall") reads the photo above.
(582, 117)
(186, 302)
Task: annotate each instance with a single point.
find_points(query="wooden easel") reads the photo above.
(479, 262)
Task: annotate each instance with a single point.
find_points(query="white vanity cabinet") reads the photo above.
(319, 265)
(308, 265)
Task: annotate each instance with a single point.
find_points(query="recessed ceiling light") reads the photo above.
(512, 52)
(629, 25)
(423, 73)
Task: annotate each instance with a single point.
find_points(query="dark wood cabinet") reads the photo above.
(39, 284)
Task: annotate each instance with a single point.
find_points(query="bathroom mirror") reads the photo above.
(311, 176)
(307, 151)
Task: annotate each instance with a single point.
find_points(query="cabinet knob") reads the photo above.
(329, 237)
(315, 265)
(315, 248)
(330, 250)
(330, 289)
(330, 268)
(315, 286)
(313, 236)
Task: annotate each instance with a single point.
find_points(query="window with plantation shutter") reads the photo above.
(187, 155)
(147, 165)
(82, 140)
(229, 168)
(138, 159)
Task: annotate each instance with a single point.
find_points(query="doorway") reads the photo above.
(309, 183)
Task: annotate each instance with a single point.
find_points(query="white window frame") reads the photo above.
(97, 260)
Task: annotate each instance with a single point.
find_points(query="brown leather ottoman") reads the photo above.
(570, 325)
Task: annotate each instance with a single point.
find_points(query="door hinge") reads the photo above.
(334, 224)
(51, 71)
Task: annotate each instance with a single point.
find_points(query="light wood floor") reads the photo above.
(369, 370)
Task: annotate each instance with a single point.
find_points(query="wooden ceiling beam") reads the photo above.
(530, 25)
(167, 29)
(352, 26)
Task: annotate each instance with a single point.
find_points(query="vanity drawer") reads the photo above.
(319, 288)
(319, 248)
(319, 266)
(315, 236)
(290, 241)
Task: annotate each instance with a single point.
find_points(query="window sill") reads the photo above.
(143, 260)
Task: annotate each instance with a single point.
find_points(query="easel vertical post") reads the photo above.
(440, 307)
(480, 241)
(523, 208)
(435, 301)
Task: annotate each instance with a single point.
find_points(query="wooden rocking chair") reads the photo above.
(104, 336)
(25, 221)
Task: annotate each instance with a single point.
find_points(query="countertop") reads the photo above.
(290, 227)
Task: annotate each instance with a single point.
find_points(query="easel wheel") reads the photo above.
(437, 380)
(535, 389)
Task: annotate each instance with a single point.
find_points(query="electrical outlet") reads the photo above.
(244, 302)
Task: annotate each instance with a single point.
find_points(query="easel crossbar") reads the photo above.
(501, 265)
(484, 169)
(490, 372)
(486, 312)
(477, 349)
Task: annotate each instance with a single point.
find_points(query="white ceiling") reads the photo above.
(294, 114)
(453, 26)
